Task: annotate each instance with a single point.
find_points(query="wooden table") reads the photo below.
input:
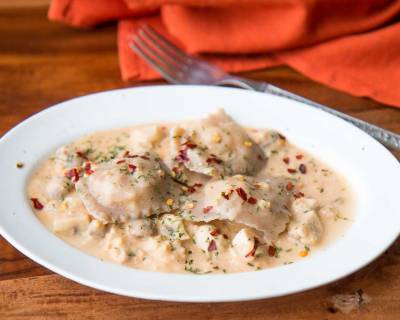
(42, 63)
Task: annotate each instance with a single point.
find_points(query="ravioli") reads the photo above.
(259, 203)
(215, 146)
(132, 187)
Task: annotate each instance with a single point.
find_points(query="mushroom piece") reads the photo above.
(306, 225)
(141, 227)
(171, 227)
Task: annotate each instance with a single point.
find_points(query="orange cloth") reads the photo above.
(133, 67)
(351, 45)
(275, 26)
(140, 4)
(89, 13)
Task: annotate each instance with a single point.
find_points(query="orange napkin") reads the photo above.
(85, 13)
(350, 45)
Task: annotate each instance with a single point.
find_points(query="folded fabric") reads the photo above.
(133, 67)
(365, 65)
(350, 45)
(83, 13)
(153, 4)
(278, 25)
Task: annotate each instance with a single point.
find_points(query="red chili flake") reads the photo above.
(241, 193)
(298, 195)
(192, 189)
(286, 160)
(227, 194)
(260, 157)
(207, 209)
(302, 168)
(213, 159)
(189, 145)
(37, 204)
(299, 156)
(253, 251)
(252, 200)
(145, 157)
(215, 232)
(291, 170)
(128, 155)
(289, 186)
(70, 173)
(121, 161)
(182, 156)
(212, 246)
(76, 175)
(81, 155)
(131, 168)
(73, 174)
(271, 251)
(88, 168)
(225, 236)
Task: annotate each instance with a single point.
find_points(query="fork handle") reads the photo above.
(386, 137)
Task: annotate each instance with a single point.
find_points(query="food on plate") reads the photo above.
(132, 186)
(215, 146)
(202, 196)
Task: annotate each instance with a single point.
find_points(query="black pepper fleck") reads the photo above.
(302, 168)
(19, 165)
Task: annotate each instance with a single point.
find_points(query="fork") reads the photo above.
(179, 68)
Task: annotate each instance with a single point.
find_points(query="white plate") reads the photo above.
(371, 170)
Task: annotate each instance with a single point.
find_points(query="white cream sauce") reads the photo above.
(164, 237)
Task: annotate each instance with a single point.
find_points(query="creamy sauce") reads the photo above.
(320, 208)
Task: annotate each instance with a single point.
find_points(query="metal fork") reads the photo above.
(179, 68)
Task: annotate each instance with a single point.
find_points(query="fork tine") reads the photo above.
(164, 58)
(143, 51)
(165, 45)
(161, 52)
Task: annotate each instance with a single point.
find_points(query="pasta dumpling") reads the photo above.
(216, 146)
(255, 202)
(132, 187)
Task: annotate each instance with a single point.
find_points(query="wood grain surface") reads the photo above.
(42, 63)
